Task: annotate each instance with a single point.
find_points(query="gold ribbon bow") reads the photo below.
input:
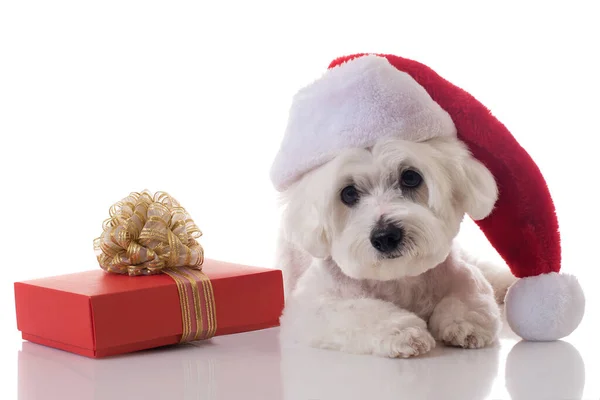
(151, 234)
(146, 234)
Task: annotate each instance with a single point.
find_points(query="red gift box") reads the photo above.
(99, 314)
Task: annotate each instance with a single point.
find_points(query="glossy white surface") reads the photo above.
(256, 365)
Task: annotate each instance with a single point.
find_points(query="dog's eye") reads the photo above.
(350, 195)
(411, 179)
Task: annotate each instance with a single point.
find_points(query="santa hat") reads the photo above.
(365, 97)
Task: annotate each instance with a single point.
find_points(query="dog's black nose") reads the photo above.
(387, 238)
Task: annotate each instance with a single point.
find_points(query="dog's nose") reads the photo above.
(387, 239)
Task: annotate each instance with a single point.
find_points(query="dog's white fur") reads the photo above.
(342, 294)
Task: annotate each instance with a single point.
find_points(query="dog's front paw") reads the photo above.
(455, 324)
(466, 335)
(403, 342)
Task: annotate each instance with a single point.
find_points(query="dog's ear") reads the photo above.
(480, 191)
(472, 185)
(305, 218)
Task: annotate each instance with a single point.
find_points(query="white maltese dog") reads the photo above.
(368, 251)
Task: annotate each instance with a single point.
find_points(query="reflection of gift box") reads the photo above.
(244, 366)
(98, 314)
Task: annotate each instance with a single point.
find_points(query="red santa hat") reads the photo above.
(365, 97)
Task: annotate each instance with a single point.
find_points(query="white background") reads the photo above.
(99, 99)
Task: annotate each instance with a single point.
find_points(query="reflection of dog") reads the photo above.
(449, 374)
(367, 246)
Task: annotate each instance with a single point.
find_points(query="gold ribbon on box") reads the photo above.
(149, 234)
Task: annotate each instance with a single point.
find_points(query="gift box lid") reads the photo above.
(95, 313)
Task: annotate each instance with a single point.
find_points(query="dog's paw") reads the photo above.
(405, 342)
(466, 335)
(470, 325)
